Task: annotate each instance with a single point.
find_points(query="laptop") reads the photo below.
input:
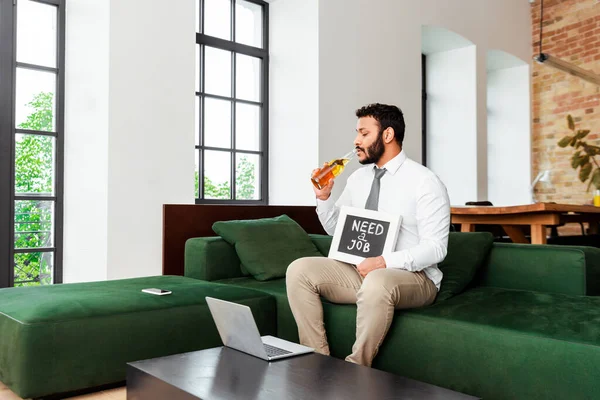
(238, 330)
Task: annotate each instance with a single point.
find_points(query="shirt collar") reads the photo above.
(395, 163)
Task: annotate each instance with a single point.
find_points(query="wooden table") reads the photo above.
(538, 216)
(223, 373)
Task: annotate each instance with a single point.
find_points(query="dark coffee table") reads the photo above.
(224, 373)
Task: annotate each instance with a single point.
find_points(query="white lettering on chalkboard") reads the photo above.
(371, 228)
(360, 246)
(361, 234)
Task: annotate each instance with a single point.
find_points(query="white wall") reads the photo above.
(369, 50)
(504, 25)
(86, 141)
(452, 121)
(151, 146)
(509, 136)
(144, 131)
(488, 24)
(294, 101)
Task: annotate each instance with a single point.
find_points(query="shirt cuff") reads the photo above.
(324, 206)
(400, 260)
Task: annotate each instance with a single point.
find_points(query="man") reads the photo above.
(406, 278)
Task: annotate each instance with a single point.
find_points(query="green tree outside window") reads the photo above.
(34, 174)
(246, 183)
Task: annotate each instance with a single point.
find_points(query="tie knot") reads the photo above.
(379, 172)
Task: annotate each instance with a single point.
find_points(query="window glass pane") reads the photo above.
(36, 33)
(198, 55)
(247, 127)
(197, 114)
(198, 16)
(217, 78)
(35, 106)
(197, 174)
(247, 178)
(247, 79)
(33, 269)
(217, 123)
(34, 225)
(34, 164)
(217, 174)
(248, 23)
(217, 18)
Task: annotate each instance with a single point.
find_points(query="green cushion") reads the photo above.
(541, 268)
(546, 315)
(323, 242)
(267, 246)
(466, 253)
(60, 338)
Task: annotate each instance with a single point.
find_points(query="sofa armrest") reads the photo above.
(210, 259)
(323, 242)
(571, 270)
(592, 268)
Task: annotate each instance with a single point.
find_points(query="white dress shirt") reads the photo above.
(412, 191)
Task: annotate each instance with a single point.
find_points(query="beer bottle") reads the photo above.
(333, 168)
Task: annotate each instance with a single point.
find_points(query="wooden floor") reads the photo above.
(113, 394)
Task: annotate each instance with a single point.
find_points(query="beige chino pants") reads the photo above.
(376, 297)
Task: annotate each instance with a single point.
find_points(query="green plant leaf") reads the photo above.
(584, 172)
(584, 160)
(573, 142)
(564, 142)
(596, 178)
(582, 133)
(571, 122)
(576, 159)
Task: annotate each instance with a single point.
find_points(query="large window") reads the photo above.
(31, 141)
(231, 101)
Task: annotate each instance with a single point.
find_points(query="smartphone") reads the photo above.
(158, 292)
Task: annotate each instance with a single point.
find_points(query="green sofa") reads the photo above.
(64, 338)
(528, 325)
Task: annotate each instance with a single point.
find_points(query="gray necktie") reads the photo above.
(373, 199)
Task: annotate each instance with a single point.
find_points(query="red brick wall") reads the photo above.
(571, 32)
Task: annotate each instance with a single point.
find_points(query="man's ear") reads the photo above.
(388, 135)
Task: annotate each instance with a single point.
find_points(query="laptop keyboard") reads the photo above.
(275, 351)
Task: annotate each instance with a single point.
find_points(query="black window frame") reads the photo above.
(8, 68)
(424, 110)
(236, 48)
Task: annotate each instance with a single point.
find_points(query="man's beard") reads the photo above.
(374, 152)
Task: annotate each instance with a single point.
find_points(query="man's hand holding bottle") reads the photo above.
(322, 178)
(325, 192)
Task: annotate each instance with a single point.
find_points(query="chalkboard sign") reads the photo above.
(361, 233)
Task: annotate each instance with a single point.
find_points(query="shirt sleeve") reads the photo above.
(433, 224)
(328, 210)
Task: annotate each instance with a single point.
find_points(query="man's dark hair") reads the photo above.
(387, 116)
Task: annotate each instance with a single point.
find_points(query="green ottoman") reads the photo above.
(62, 338)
